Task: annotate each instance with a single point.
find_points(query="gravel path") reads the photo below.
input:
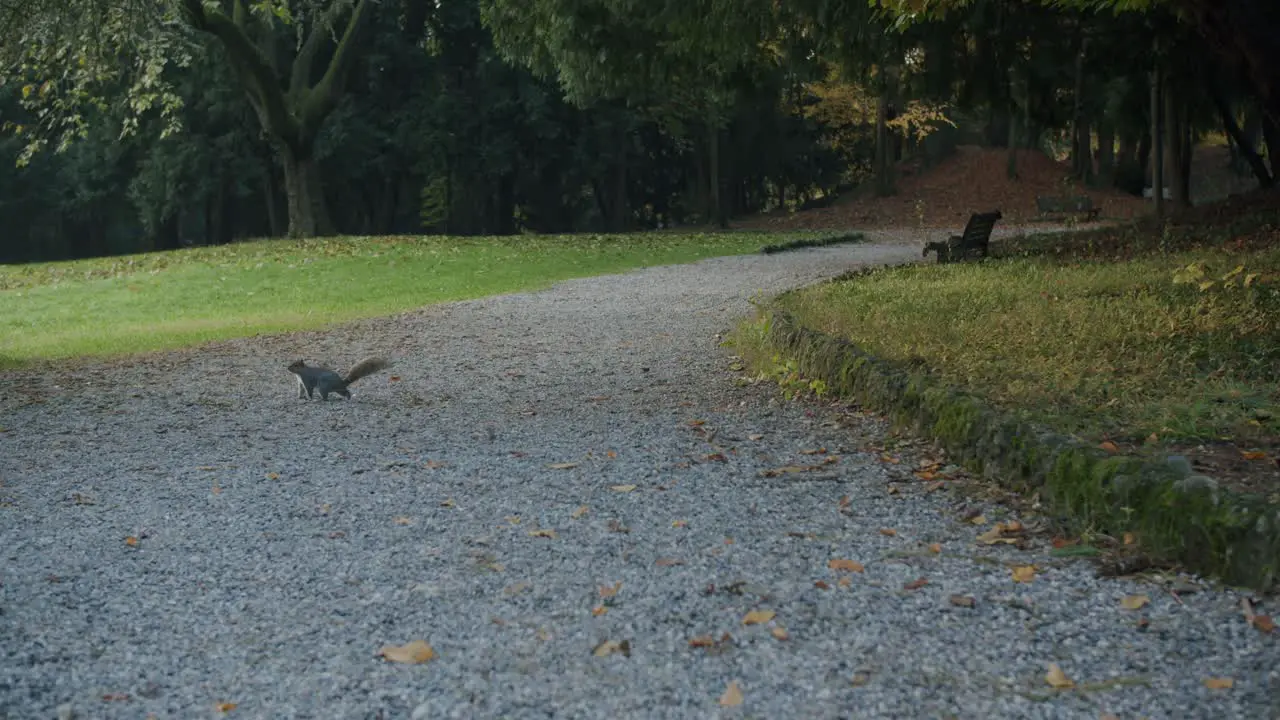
(279, 544)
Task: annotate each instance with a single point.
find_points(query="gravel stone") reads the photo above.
(179, 531)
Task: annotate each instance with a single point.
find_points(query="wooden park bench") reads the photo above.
(972, 243)
(1067, 204)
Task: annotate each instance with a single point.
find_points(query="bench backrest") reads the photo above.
(979, 228)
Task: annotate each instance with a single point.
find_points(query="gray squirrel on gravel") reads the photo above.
(313, 379)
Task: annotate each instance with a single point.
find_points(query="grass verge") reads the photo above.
(153, 301)
(1043, 375)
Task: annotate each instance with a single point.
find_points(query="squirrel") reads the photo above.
(324, 380)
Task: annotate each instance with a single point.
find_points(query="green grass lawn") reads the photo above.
(111, 306)
(1158, 345)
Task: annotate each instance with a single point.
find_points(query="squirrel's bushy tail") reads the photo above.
(366, 367)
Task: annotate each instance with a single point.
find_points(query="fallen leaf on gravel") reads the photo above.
(1219, 683)
(888, 532)
(758, 617)
(831, 460)
(1024, 573)
(1109, 446)
(845, 581)
(447, 503)
(609, 647)
(679, 523)
(433, 464)
(755, 437)
(702, 641)
(789, 469)
(925, 474)
(273, 476)
(401, 520)
(1264, 623)
(860, 678)
(728, 541)
(886, 457)
(1061, 542)
(216, 490)
(780, 633)
(716, 457)
(579, 512)
(893, 490)
(935, 548)
(1058, 679)
(916, 584)
(563, 466)
(545, 533)
(611, 454)
(513, 519)
(996, 535)
(599, 610)
(598, 398)
(978, 519)
(668, 562)
(821, 585)
(732, 696)
(935, 486)
(845, 501)
(1134, 602)
(1253, 455)
(131, 541)
(225, 707)
(814, 451)
(115, 697)
(615, 526)
(846, 565)
(207, 467)
(608, 591)
(963, 601)
(697, 423)
(622, 488)
(414, 653)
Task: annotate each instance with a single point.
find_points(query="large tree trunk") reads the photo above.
(883, 162)
(1081, 150)
(1177, 132)
(308, 212)
(1243, 143)
(1157, 144)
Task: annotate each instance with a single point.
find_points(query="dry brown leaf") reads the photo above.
(888, 532)
(916, 584)
(413, 653)
(1264, 623)
(935, 548)
(622, 488)
(273, 476)
(668, 562)
(1253, 455)
(715, 457)
(845, 581)
(609, 647)
(821, 585)
(447, 503)
(814, 451)
(544, 533)
(582, 510)
(780, 633)
(789, 469)
(1024, 573)
(608, 591)
(860, 678)
(562, 466)
(732, 696)
(963, 601)
(402, 520)
(679, 523)
(1058, 679)
(893, 490)
(758, 617)
(978, 519)
(131, 541)
(845, 565)
(845, 501)
(1109, 446)
(1219, 683)
(702, 641)
(1129, 539)
(226, 707)
(599, 610)
(1134, 602)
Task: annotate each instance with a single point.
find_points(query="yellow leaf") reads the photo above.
(1134, 602)
(599, 610)
(513, 519)
(273, 476)
(1219, 683)
(679, 523)
(846, 565)
(1024, 573)
(608, 591)
(562, 466)
(978, 520)
(579, 512)
(622, 488)
(225, 707)
(780, 633)
(545, 533)
(414, 653)
(732, 696)
(1253, 455)
(758, 617)
(1058, 679)
(609, 647)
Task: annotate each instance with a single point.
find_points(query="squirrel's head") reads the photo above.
(296, 365)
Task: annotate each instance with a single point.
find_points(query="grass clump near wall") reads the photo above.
(152, 301)
(1102, 387)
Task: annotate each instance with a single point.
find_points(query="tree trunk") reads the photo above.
(1243, 144)
(1081, 152)
(1157, 146)
(308, 212)
(1176, 131)
(883, 166)
(1106, 153)
(715, 204)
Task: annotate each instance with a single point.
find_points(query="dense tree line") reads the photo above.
(189, 121)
